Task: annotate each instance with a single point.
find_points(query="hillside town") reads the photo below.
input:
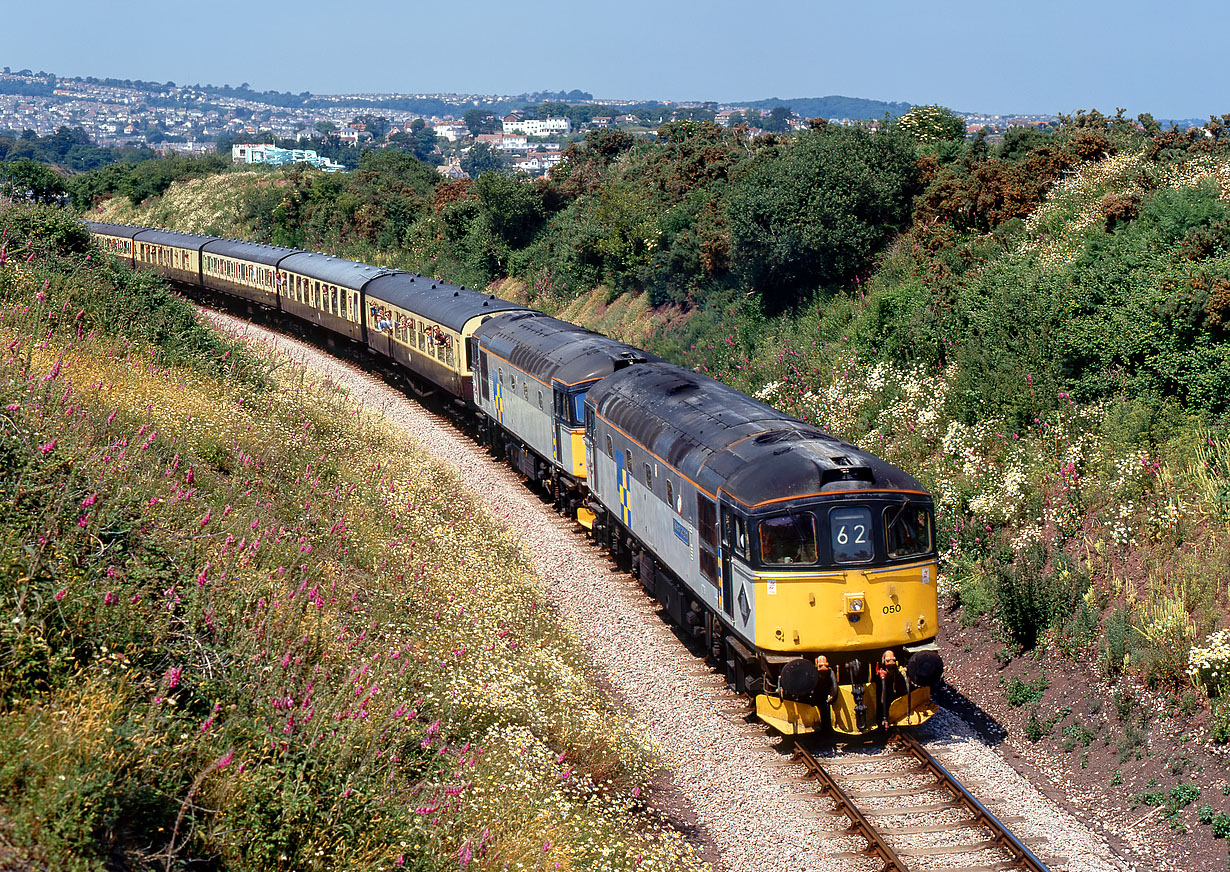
(199, 119)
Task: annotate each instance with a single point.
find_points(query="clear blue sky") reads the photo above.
(1037, 56)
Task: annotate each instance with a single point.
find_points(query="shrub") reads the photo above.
(1019, 693)
(1208, 664)
(1031, 596)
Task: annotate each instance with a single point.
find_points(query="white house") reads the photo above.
(452, 130)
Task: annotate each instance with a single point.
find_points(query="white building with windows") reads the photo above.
(536, 126)
(250, 154)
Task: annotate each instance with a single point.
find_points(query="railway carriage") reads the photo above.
(115, 239)
(779, 543)
(326, 291)
(429, 327)
(176, 256)
(247, 270)
(534, 372)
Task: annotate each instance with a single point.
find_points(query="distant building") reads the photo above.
(269, 154)
(452, 130)
(165, 148)
(515, 123)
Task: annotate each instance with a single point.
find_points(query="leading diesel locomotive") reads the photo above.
(805, 565)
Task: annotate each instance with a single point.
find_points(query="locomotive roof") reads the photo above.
(550, 349)
(723, 439)
(127, 231)
(257, 252)
(174, 239)
(436, 301)
(334, 270)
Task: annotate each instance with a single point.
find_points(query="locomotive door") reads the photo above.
(726, 547)
(558, 422)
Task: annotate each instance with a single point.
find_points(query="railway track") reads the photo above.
(886, 794)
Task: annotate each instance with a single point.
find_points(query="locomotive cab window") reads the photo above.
(788, 539)
(907, 531)
(850, 535)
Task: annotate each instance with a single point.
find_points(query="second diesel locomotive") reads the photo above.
(806, 565)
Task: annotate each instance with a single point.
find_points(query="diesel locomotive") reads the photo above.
(805, 565)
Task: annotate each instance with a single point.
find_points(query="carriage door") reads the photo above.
(478, 360)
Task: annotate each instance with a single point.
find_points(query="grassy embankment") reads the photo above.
(246, 626)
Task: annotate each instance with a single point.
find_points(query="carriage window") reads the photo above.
(850, 533)
(907, 531)
(788, 539)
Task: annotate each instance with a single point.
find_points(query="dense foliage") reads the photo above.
(71, 149)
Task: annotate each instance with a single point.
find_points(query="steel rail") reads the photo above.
(859, 824)
(1003, 837)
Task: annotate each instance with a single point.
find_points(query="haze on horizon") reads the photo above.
(1048, 56)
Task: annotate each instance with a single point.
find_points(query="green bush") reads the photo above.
(1019, 693)
(1031, 596)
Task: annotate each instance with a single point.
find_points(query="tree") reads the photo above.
(324, 128)
(481, 158)
(27, 179)
(815, 210)
(423, 142)
(481, 121)
(932, 125)
(513, 206)
(778, 120)
(377, 125)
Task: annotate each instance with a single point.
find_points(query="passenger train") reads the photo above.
(805, 565)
